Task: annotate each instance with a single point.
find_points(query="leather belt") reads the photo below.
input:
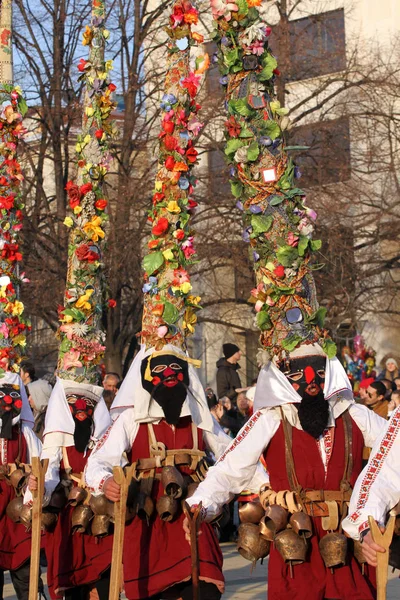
(144, 464)
(327, 496)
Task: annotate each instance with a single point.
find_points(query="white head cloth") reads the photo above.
(26, 414)
(274, 389)
(132, 394)
(59, 424)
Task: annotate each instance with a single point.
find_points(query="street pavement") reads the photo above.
(242, 581)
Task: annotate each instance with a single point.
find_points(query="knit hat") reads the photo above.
(278, 224)
(40, 391)
(391, 360)
(229, 350)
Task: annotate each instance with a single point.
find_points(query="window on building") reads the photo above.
(317, 45)
(327, 159)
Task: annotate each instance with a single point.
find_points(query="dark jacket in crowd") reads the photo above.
(228, 379)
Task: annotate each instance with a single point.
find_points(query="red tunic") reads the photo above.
(15, 542)
(157, 556)
(312, 580)
(77, 559)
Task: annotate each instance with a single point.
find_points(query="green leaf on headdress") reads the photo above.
(315, 245)
(286, 255)
(75, 313)
(269, 64)
(233, 145)
(231, 57)
(317, 318)
(303, 245)
(275, 200)
(152, 262)
(253, 152)
(291, 342)
(240, 107)
(261, 224)
(271, 129)
(242, 6)
(236, 188)
(170, 313)
(294, 192)
(22, 106)
(246, 133)
(329, 347)
(263, 320)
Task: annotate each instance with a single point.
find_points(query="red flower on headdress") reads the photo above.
(82, 65)
(279, 271)
(112, 87)
(233, 127)
(160, 227)
(86, 188)
(180, 276)
(170, 143)
(191, 155)
(101, 204)
(83, 253)
(112, 303)
(7, 202)
(170, 163)
(158, 197)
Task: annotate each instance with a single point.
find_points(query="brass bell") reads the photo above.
(13, 510)
(100, 525)
(172, 482)
(167, 507)
(291, 547)
(18, 478)
(26, 516)
(333, 549)
(49, 521)
(99, 504)
(275, 520)
(81, 517)
(58, 499)
(192, 487)
(301, 524)
(76, 495)
(250, 544)
(266, 531)
(144, 506)
(251, 512)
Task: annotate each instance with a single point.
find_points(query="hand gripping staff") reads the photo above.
(194, 522)
(39, 468)
(384, 540)
(123, 480)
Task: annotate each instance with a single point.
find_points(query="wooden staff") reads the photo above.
(193, 519)
(39, 469)
(123, 480)
(384, 540)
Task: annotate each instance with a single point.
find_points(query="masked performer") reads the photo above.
(305, 422)
(18, 444)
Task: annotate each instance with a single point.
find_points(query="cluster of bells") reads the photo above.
(262, 525)
(95, 514)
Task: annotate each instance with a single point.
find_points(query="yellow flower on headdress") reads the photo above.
(14, 308)
(173, 207)
(3, 291)
(83, 302)
(93, 229)
(87, 36)
(20, 340)
(195, 300)
(185, 287)
(68, 222)
(168, 254)
(189, 320)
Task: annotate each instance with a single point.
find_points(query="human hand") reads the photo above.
(112, 490)
(370, 549)
(186, 525)
(32, 483)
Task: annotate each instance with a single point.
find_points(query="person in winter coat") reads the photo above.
(39, 393)
(228, 380)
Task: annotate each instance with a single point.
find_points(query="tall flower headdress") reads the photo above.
(278, 224)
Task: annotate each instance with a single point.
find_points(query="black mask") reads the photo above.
(307, 376)
(10, 407)
(82, 410)
(168, 385)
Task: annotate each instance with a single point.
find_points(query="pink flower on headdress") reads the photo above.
(187, 247)
(71, 359)
(68, 330)
(257, 48)
(292, 239)
(4, 330)
(221, 8)
(194, 125)
(191, 83)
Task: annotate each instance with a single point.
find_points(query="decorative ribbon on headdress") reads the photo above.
(169, 312)
(80, 333)
(192, 361)
(278, 225)
(13, 325)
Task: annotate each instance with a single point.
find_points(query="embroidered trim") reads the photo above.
(240, 437)
(3, 450)
(363, 527)
(376, 462)
(103, 439)
(203, 512)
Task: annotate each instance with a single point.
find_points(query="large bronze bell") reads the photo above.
(167, 507)
(49, 521)
(99, 504)
(144, 506)
(275, 520)
(77, 495)
(250, 544)
(26, 516)
(18, 478)
(100, 525)
(301, 524)
(13, 510)
(173, 482)
(291, 547)
(58, 499)
(192, 487)
(333, 549)
(81, 517)
(251, 512)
